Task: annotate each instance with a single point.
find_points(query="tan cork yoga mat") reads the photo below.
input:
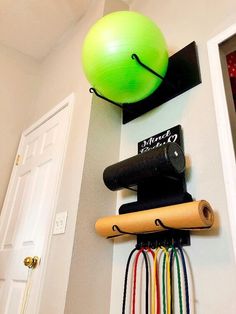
(197, 214)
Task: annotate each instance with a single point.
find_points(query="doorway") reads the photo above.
(219, 48)
(28, 212)
(227, 51)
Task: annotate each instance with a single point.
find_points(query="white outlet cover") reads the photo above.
(60, 223)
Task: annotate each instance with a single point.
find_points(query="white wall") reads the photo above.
(19, 79)
(89, 287)
(210, 253)
(61, 74)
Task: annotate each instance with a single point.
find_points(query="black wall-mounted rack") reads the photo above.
(159, 180)
(183, 74)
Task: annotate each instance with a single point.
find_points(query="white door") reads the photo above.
(28, 210)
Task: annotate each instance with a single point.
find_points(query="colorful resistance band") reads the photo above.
(135, 280)
(166, 279)
(155, 285)
(126, 280)
(173, 251)
(185, 280)
(171, 278)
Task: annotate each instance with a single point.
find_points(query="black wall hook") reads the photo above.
(93, 90)
(154, 239)
(164, 238)
(135, 57)
(158, 222)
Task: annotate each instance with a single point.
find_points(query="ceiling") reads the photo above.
(34, 26)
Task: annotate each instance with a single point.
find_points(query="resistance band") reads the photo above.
(185, 280)
(126, 280)
(155, 285)
(153, 281)
(135, 280)
(166, 278)
(171, 277)
(166, 281)
(179, 277)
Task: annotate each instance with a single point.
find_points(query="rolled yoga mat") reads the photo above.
(192, 215)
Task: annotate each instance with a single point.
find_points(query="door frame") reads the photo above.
(68, 103)
(223, 124)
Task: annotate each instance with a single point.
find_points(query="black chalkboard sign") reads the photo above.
(173, 134)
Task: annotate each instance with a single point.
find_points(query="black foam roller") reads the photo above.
(166, 160)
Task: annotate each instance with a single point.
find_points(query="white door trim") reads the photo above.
(67, 102)
(223, 124)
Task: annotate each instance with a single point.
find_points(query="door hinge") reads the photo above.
(17, 160)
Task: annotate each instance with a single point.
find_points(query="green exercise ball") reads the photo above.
(107, 61)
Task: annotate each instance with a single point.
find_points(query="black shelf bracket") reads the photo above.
(183, 73)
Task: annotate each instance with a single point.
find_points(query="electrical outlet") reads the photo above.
(60, 223)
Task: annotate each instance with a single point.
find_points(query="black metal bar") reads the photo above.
(158, 222)
(164, 238)
(122, 232)
(135, 57)
(93, 90)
